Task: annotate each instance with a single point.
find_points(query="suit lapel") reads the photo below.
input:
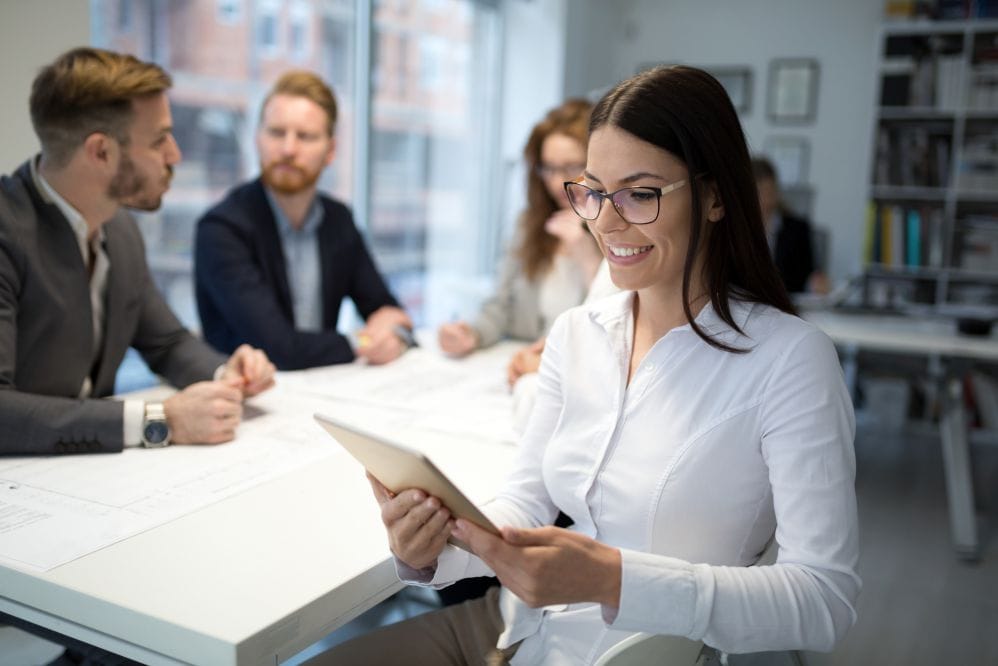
(69, 277)
(327, 263)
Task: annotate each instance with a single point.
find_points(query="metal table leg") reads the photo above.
(956, 463)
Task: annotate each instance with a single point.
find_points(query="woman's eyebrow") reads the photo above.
(628, 179)
(641, 175)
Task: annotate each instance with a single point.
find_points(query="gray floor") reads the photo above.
(920, 604)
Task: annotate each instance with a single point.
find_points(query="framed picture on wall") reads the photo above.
(737, 81)
(792, 95)
(790, 156)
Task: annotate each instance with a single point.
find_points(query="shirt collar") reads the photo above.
(312, 218)
(614, 311)
(73, 216)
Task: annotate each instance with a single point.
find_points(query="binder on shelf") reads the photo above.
(886, 228)
(936, 241)
(871, 248)
(897, 235)
(913, 239)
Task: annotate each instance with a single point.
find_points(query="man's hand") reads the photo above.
(377, 341)
(418, 526)
(548, 565)
(525, 361)
(457, 339)
(388, 316)
(205, 413)
(250, 370)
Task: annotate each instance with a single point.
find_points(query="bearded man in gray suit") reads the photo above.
(75, 289)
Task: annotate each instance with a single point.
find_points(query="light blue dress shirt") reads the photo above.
(301, 259)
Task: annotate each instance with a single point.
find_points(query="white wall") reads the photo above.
(607, 41)
(32, 33)
(532, 84)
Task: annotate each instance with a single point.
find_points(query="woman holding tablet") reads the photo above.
(681, 423)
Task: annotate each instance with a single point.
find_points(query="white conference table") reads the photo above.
(949, 356)
(253, 578)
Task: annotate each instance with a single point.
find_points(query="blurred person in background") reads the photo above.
(275, 259)
(789, 236)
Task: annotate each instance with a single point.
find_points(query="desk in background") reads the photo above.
(948, 355)
(260, 575)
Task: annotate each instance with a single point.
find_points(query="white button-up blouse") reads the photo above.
(688, 470)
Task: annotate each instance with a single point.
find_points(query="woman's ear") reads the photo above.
(713, 203)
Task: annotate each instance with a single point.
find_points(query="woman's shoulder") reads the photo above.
(781, 332)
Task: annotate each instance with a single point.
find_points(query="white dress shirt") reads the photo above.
(302, 263)
(688, 470)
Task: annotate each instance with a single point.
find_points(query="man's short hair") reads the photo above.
(763, 169)
(303, 83)
(89, 90)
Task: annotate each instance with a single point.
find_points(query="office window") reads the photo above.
(268, 28)
(421, 196)
(230, 11)
(432, 214)
(432, 63)
(299, 43)
(124, 15)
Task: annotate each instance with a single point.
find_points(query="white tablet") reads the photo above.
(398, 468)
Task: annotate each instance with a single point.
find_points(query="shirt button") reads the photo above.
(649, 367)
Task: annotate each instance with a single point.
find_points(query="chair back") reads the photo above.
(652, 649)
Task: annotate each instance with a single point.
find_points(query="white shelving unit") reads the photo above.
(935, 174)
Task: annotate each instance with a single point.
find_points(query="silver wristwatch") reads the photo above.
(155, 430)
(404, 333)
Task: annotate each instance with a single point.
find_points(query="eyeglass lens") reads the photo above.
(637, 205)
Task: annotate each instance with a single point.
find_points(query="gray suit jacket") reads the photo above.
(46, 333)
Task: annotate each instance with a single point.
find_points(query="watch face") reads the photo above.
(156, 432)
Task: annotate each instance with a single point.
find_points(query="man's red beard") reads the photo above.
(288, 180)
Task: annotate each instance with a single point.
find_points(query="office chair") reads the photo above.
(648, 649)
(658, 650)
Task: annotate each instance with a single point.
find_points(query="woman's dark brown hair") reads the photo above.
(536, 246)
(685, 111)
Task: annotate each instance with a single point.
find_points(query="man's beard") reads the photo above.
(288, 182)
(128, 187)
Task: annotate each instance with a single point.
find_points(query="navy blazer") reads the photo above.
(793, 254)
(241, 280)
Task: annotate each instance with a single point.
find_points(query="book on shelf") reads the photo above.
(897, 237)
(979, 251)
(979, 243)
(900, 236)
(913, 238)
(871, 244)
(979, 161)
(949, 69)
(913, 155)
